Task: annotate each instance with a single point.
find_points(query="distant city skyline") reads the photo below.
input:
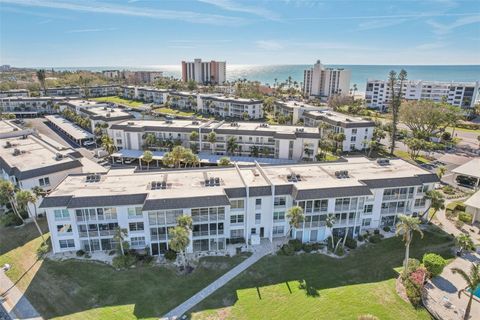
(140, 33)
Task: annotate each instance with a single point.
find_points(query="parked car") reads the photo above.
(128, 160)
(88, 143)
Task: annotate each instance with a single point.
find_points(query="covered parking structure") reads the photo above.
(71, 130)
(204, 157)
(470, 170)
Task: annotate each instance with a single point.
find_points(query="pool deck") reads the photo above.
(441, 293)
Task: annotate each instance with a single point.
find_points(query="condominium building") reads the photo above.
(111, 74)
(233, 205)
(14, 93)
(293, 110)
(211, 72)
(284, 142)
(29, 159)
(93, 91)
(29, 106)
(322, 82)
(461, 94)
(141, 77)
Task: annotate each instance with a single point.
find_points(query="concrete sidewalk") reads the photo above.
(259, 252)
(14, 301)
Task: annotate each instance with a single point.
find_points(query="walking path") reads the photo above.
(259, 252)
(14, 302)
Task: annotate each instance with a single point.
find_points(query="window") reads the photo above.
(280, 201)
(137, 241)
(279, 216)
(64, 229)
(366, 222)
(353, 138)
(368, 209)
(43, 182)
(235, 234)
(253, 231)
(237, 204)
(420, 202)
(258, 203)
(61, 214)
(135, 212)
(236, 218)
(278, 230)
(354, 131)
(135, 226)
(65, 244)
(258, 217)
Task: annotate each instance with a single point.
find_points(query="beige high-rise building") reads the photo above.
(323, 82)
(211, 72)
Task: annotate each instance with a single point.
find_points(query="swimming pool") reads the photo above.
(476, 293)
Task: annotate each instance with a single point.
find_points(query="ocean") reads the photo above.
(360, 73)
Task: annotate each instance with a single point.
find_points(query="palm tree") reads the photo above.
(232, 144)
(441, 172)
(194, 136)
(24, 198)
(295, 217)
(147, 157)
(41, 78)
(354, 89)
(107, 144)
(224, 162)
(150, 140)
(7, 192)
(464, 242)
(473, 282)
(179, 241)
(406, 227)
(437, 202)
(339, 138)
(212, 138)
(119, 236)
(330, 222)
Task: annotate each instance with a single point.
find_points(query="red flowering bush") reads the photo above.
(418, 276)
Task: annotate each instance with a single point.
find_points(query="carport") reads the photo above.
(136, 154)
(470, 169)
(71, 130)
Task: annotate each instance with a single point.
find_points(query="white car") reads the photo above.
(128, 160)
(88, 143)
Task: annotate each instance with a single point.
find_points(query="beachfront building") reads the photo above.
(233, 205)
(211, 72)
(235, 138)
(141, 77)
(14, 93)
(461, 94)
(111, 74)
(293, 111)
(230, 107)
(93, 91)
(29, 106)
(29, 159)
(321, 82)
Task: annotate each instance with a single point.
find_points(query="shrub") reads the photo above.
(351, 243)
(10, 219)
(296, 244)
(340, 251)
(170, 255)
(434, 263)
(42, 250)
(317, 246)
(414, 293)
(287, 250)
(448, 190)
(121, 262)
(386, 229)
(465, 217)
(360, 238)
(460, 206)
(307, 247)
(459, 224)
(375, 238)
(418, 276)
(80, 253)
(376, 231)
(451, 215)
(412, 265)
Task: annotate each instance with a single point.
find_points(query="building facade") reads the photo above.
(14, 93)
(321, 82)
(460, 94)
(111, 74)
(246, 138)
(202, 72)
(29, 106)
(233, 205)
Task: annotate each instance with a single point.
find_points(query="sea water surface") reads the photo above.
(267, 74)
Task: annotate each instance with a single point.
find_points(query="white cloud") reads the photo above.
(112, 8)
(378, 24)
(238, 7)
(442, 29)
(90, 30)
(271, 45)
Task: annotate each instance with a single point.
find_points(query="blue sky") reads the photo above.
(156, 32)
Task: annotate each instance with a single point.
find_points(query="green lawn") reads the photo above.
(119, 100)
(165, 110)
(318, 287)
(449, 129)
(406, 156)
(88, 290)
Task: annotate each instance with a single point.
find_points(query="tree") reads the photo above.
(473, 282)
(150, 140)
(406, 227)
(23, 199)
(194, 136)
(232, 144)
(185, 221)
(41, 78)
(441, 172)
(395, 102)
(336, 101)
(295, 217)
(147, 157)
(107, 145)
(437, 202)
(119, 236)
(7, 192)
(268, 104)
(224, 162)
(464, 242)
(212, 138)
(329, 222)
(415, 145)
(179, 241)
(424, 117)
(339, 139)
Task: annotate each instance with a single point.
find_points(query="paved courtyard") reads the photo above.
(441, 293)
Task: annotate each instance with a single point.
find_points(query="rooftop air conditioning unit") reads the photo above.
(16, 152)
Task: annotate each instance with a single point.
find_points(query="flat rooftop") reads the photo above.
(190, 182)
(70, 128)
(297, 104)
(338, 117)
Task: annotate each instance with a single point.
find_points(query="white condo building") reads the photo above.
(204, 72)
(232, 205)
(271, 141)
(461, 94)
(321, 82)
